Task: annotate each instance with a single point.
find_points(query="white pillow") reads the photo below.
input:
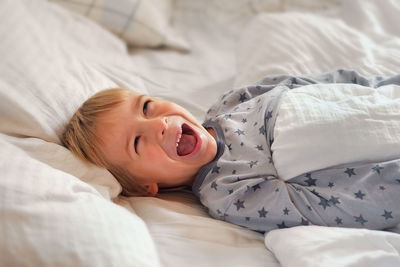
(51, 62)
(51, 218)
(139, 23)
(48, 71)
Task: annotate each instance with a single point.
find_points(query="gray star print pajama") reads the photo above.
(241, 184)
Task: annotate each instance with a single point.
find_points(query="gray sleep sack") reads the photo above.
(241, 184)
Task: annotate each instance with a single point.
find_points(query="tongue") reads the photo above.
(186, 144)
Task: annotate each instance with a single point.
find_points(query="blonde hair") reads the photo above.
(80, 136)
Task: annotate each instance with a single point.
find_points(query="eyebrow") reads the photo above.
(134, 108)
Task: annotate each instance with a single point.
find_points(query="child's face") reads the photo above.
(158, 142)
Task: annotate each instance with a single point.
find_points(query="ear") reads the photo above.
(151, 189)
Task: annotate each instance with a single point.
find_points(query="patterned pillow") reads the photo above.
(142, 23)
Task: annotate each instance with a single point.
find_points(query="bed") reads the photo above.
(59, 211)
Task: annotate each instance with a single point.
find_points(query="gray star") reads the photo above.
(230, 191)
(262, 212)
(255, 187)
(227, 116)
(334, 200)
(269, 115)
(324, 203)
(338, 221)
(259, 147)
(359, 195)
(244, 120)
(378, 169)
(360, 219)
(214, 185)
(331, 184)
(252, 163)
(350, 172)
(262, 130)
(286, 211)
(239, 132)
(304, 222)
(310, 181)
(387, 215)
(215, 169)
(282, 225)
(239, 204)
(243, 97)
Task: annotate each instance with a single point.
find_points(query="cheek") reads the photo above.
(153, 155)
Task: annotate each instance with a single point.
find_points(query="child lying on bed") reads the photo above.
(148, 143)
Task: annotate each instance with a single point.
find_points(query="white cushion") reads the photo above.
(140, 23)
(51, 218)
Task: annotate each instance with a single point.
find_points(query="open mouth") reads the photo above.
(187, 141)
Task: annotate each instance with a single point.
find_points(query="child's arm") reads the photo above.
(365, 196)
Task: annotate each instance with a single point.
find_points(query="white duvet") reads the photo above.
(325, 125)
(314, 246)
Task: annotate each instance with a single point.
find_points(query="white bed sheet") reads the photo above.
(233, 51)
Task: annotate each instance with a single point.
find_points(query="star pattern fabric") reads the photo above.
(241, 184)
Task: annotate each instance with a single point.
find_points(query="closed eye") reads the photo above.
(145, 106)
(136, 144)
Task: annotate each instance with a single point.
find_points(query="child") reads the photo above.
(148, 143)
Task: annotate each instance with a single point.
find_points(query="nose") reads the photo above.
(156, 127)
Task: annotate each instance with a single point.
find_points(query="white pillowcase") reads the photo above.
(52, 61)
(143, 23)
(51, 218)
(324, 125)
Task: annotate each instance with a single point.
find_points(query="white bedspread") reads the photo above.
(325, 125)
(315, 246)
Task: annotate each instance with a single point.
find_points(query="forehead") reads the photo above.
(112, 129)
(128, 107)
